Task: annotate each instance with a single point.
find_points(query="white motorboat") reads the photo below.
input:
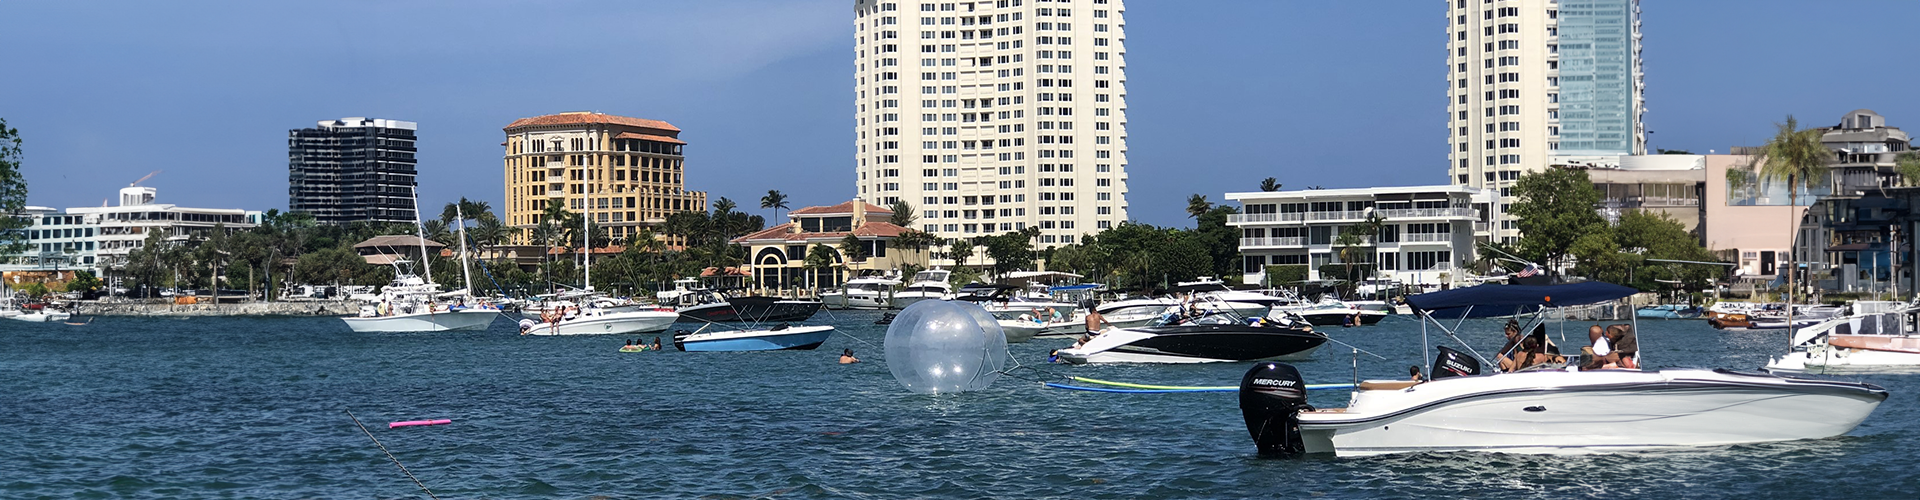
(1018, 330)
(1877, 336)
(424, 318)
(1548, 410)
(1332, 312)
(1214, 293)
(1560, 412)
(930, 284)
(413, 303)
(599, 322)
(1207, 339)
(1136, 312)
(35, 316)
(867, 292)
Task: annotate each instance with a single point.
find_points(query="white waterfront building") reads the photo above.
(991, 116)
(1535, 83)
(99, 238)
(1426, 233)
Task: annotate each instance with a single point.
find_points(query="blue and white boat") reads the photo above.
(1668, 311)
(778, 338)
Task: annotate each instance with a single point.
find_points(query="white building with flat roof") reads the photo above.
(1426, 232)
(1536, 83)
(990, 116)
(118, 230)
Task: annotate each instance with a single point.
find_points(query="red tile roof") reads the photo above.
(843, 208)
(868, 230)
(648, 137)
(586, 118)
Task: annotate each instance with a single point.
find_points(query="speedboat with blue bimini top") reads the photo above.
(1538, 405)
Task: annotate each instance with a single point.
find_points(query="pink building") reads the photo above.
(1747, 219)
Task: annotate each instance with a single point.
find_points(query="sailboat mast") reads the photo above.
(466, 273)
(586, 237)
(420, 232)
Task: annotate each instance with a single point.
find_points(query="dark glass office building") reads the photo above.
(352, 169)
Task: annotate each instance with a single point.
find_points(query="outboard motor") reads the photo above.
(1271, 398)
(1451, 363)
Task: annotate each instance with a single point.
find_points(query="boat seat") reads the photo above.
(1386, 385)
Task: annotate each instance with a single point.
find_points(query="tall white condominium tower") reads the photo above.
(1533, 83)
(992, 116)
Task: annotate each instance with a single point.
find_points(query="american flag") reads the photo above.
(1528, 272)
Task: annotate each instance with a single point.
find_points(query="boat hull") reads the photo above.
(1558, 412)
(752, 309)
(792, 338)
(1020, 331)
(609, 324)
(468, 319)
(1339, 317)
(1195, 344)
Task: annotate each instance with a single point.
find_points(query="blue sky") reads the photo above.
(1223, 93)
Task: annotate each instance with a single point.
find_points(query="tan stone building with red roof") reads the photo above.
(632, 171)
(777, 256)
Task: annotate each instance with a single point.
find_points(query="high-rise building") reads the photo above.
(352, 169)
(991, 116)
(1533, 83)
(632, 170)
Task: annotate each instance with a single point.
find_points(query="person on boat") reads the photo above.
(1625, 345)
(1600, 354)
(1414, 371)
(572, 312)
(1095, 321)
(846, 357)
(1532, 352)
(1054, 315)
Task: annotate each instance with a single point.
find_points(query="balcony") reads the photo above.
(1259, 218)
(1407, 213)
(1334, 216)
(1292, 241)
(1426, 237)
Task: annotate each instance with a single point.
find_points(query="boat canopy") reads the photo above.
(1502, 300)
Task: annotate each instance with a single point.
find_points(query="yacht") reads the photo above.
(589, 317)
(1548, 409)
(1134, 312)
(1212, 338)
(930, 284)
(1330, 311)
(1216, 293)
(594, 321)
(412, 303)
(718, 306)
(1875, 336)
(866, 292)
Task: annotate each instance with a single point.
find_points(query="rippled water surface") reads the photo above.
(166, 408)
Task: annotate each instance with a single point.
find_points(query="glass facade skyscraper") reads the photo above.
(1599, 64)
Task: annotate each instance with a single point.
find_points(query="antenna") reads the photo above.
(144, 179)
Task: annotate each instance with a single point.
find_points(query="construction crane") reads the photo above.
(144, 179)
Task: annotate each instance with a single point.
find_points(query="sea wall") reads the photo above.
(296, 308)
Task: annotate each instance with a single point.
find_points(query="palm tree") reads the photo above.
(1198, 205)
(775, 200)
(1270, 184)
(960, 250)
(1796, 157)
(903, 215)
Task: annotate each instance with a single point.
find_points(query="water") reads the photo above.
(249, 408)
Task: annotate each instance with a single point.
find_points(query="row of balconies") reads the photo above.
(1354, 215)
(1301, 241)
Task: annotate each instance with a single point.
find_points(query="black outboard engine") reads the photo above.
(1272, 395)
(1451, 363)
